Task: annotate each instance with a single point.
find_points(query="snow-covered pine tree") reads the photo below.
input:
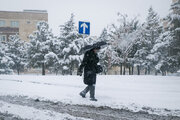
(74, 56)
(166, 51)
(174, 20)
(17, 52)
(39, 47)
(106, 52)
(69, 35)
(53, 58)
(6, 62)
(141, 52)
(161, 53)
(150, 32)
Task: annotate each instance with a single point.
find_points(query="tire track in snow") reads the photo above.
(43, 83)
(84, 111)
(31, 113)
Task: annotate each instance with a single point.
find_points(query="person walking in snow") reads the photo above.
(91, 68)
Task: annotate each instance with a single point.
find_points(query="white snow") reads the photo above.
(177, 29)
(154, 94)
(32, 113)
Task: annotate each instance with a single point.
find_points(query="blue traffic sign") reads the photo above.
(84, 27)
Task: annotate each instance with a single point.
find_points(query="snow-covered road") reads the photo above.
(116, 94)
(26, 108)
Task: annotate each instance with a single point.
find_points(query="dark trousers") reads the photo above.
(90, 88)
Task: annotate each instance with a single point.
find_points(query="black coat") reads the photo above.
(89, 64)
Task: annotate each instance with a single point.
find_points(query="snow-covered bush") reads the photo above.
(41, 44)
(16, 50)
(6, 62)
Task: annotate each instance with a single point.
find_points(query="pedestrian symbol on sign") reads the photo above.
(84, 27)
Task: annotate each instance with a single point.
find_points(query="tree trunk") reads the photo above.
(156, 72)
(43, 69)
(71, 68)
(132, 70)
(56, 72)
(18, 71)
(121, 69)
(145, 71)
(149, 70)
(124, 72)
(138, 69)
(163, 73)
(70, 72)
(129, 70)
(106, 72)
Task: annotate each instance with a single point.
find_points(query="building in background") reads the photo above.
(22, 23)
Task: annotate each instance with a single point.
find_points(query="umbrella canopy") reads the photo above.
(90, 47)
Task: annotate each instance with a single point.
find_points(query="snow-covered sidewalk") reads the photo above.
(154, 94)
(25, 112)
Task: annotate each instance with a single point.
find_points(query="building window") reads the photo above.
(2, 23)
(3, 38)
(14, 24)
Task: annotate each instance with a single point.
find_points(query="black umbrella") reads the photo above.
(99, 44)
(90, 47)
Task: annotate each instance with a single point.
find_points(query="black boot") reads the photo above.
(82, 94)
(92, 93)
(93, 99)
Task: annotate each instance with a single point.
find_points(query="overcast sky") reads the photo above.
(99, 13)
